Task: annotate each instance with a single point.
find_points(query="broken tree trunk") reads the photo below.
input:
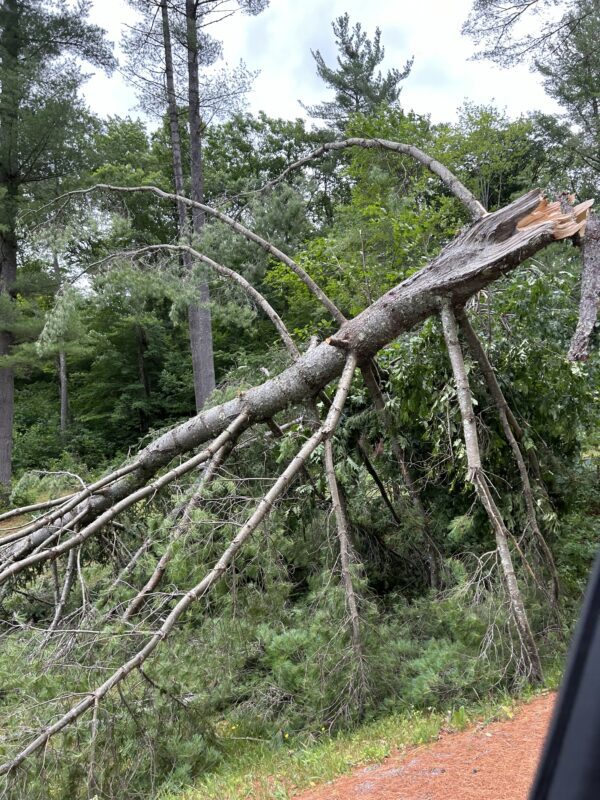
(210, 579)
(476, 476)
(490, 248)
(590, 291)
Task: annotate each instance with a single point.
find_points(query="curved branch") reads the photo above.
(450, 181)
(311, 285)
(230, 274)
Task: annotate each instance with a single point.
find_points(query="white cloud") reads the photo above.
(278, 43)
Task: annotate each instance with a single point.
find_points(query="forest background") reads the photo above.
(376, 583)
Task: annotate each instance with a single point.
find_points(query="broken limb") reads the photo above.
(450, 181)
(210, 579)
(480, 356)
(477, 477)
(179, 529)
(238, 424)
(345, 549)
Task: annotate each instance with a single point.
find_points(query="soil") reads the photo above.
(488, 762)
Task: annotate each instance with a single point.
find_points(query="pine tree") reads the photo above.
(358, 88)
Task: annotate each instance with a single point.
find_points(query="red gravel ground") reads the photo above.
(489, 762)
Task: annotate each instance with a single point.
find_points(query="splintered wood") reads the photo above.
(565, 224)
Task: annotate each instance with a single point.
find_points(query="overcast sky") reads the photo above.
(278, 43)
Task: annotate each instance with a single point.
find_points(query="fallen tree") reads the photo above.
(492, 246)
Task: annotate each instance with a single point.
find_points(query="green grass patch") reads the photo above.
(278, 770)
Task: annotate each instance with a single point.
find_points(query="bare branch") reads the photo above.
(495, 391)
(477, 477)
(311, 285)
(210, 579)
(450, 181)
(230, 274)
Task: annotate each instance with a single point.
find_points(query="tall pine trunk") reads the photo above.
(199, 316)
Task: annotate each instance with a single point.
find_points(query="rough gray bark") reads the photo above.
(199, 316)
(480, 356)
(173, 114)
(590, 291)
(479, 255)
(477, 477)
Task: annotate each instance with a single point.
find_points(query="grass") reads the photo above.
(262, 771)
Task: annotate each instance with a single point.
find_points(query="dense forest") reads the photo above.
(298, 419)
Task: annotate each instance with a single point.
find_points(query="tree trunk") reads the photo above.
(64, 392)
(8, 272)
(477, 477)
(10, 43)
(199, 316)
(141, 347)
(487, 250)
(590, 291)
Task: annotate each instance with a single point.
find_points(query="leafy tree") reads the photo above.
(358, 87)
(40, 43)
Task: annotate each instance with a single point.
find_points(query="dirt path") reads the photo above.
(491, 762)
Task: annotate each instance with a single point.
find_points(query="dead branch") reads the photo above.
(502, 406)
(179, 529)
(230, 274)
(201, 589)
(64, 595)
(345, 552)
(251, 236)
(450, 181)
(477, 477)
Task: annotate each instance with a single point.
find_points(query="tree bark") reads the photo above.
(477, 477)
(590, 291)
(200, 315)
(64, 391)
(209, 580)
(345, 552)
(8, 273)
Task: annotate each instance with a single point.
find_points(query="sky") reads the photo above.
(278, 44)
